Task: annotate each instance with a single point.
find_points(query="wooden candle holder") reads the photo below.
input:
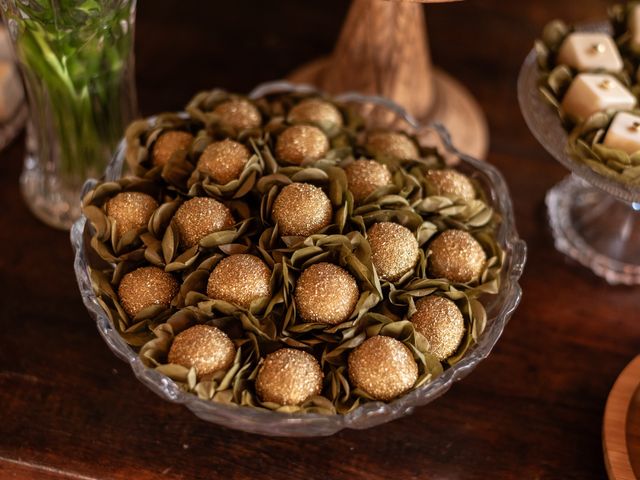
(383, 50)
(621, 425)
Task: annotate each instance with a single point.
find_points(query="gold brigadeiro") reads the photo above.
(144, 287)
(318, 112)
(450, 183)
(441, 322)
(199, 217)
(238, 114)
(392, 144)
(456, 256)
(167, 144)
(240, 279)
(394, 249)
(289, 377)
(223, 161)
(205, 348)
(365, 177)
(382, 367)
(301, 209)
(130, 210)
(326, 293)
(301, 143)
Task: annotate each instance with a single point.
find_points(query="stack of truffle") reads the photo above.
(593, 80)
(276, 253)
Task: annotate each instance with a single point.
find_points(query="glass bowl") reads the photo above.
(499, 307)
(594, 219)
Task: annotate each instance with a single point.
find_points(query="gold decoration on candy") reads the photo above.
(289, 377)
(238, 114)
(223, 161)
(130, 210)
(394, 249)
(315, 111)
(301, 143)
(145, 287)
(451, 183)
(240, 279)
(635, 127)
(199, 217)
(605, 84)
(456, 256)
(365, 177)
(441, 322)
(205, 348)
(598, 48)
(391, 144)
(301, 209)
(167, 144)
(326, 293)
(383, 368)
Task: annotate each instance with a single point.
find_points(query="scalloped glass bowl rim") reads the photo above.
(371, 413)
(546, 126)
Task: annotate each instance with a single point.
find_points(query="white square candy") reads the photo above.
(624, 133)
(590, 51)
(593, 92)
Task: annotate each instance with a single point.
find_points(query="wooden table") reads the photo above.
(70, 409)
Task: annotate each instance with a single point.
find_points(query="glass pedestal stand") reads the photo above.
(594, 219)
(596, 229)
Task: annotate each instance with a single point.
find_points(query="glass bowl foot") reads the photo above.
(595, 229)
(52, 200)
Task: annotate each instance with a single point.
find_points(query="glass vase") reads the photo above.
(76, 59)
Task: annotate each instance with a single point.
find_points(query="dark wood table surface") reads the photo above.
(533, 409)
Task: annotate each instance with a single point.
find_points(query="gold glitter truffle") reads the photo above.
(451, 183)
(238, 114)
(199, 217)
(318, 112)
(289, 377)
(144, 287)
(169, 143)
(394, 249)
(240, 279)
(301, 143)
(392, 144)
(365, 177)
(223, 161)
(456, 256)
(383, 367)
(130, 211)
(442, 324)
(205, 348)
(301, 209)
(326, 293)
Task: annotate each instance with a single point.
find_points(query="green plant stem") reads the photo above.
(74, 56)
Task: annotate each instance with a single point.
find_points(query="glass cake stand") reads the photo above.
(594, 219)
(499, 307)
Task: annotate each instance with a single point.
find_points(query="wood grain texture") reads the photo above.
(383, 50)
(620, 432)
(532, 410)
(633, 431)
